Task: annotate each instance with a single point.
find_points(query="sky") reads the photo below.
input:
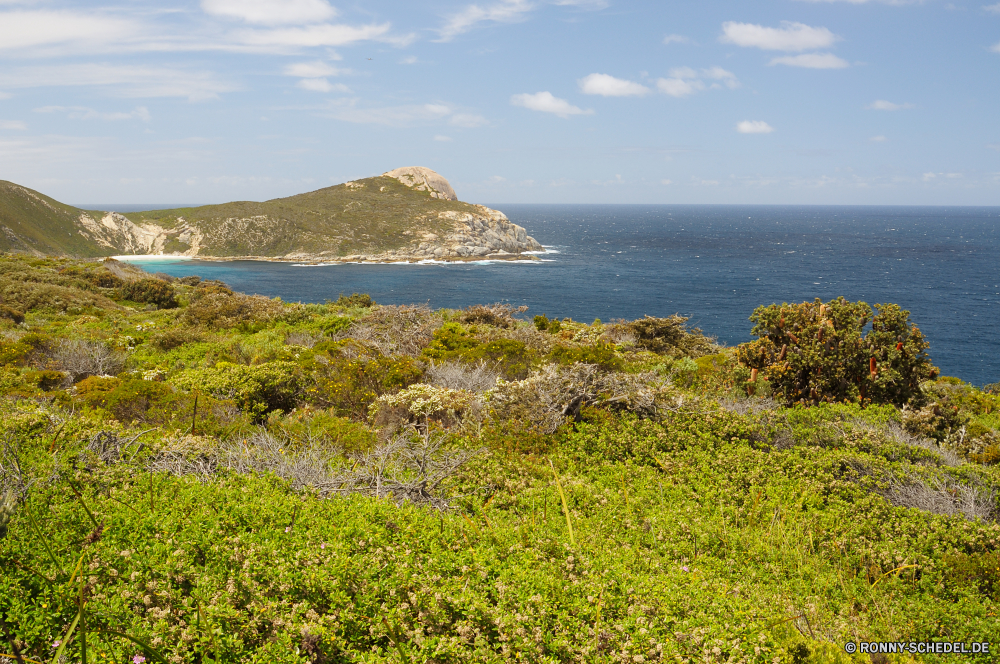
(514, 101)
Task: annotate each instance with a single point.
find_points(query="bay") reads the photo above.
(714, 264)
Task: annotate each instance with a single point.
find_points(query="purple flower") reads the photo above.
(55, 644)
(323, 545)
(684, 567)
(138, 659)
(288, 529)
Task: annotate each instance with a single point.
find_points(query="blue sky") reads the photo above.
(518, 101)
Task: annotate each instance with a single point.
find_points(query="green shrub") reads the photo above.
(667, 336)
(256, 390)
(149, 291)
(305, 425)
(219, 307)
(362, 300)
(601, 354)
(173, 338)
(449, 339)
(348, 377)
(12, 352)
(543, 324)
(45, 379)
(814, 352)
(11, 314)
(453, 342)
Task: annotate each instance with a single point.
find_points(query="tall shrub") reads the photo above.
(814, 352)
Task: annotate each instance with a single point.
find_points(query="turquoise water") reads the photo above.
(714, 264)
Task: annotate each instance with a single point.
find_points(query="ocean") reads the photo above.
(713, 264)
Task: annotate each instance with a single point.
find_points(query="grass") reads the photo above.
(673, 518)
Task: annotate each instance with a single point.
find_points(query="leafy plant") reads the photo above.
(814, 352)
(149, 291)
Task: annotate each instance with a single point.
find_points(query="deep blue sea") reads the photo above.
(714, 264)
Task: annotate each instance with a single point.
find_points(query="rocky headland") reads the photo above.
(407, 214)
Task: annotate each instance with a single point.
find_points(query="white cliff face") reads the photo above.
(120, 234)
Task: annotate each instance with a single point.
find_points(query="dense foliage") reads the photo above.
(238, 479)
(814, 352)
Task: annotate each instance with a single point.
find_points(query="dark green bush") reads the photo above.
(219, 307)
(363, 300)
(11, 314)
(256, 390)
(814, 352)
(543, 324)
(46, 379)
(149, 291)
(104, 278)
(173, 338)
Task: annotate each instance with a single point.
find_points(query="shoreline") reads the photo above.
(347, 260)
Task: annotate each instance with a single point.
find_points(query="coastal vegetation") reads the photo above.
(192, 474)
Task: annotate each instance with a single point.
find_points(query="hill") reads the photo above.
(406, 214)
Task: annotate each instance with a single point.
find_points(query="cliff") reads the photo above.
(409, 213)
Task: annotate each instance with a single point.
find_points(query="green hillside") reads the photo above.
(365, 216)
(370, 217)
(33, 223)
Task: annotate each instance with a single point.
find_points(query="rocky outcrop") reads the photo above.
(419, 178)
(488, 233)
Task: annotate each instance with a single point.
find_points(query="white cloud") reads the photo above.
(679, 87)
(505, 11)
(995, 48)
(317, 69)
(878, 139)
(12, 124)
(467, 120)
(85, 113)
(443, 139)
(546, 103)
(409, 60)
(720, 74)
(676, 39)
(666, 182)
(313, 35)
(812, 61)
(609, 86)
(321, 85)
(883, 105)
(123, 80)
(995, 9)
(789, 37)
(271, 12)
(754, 127)
(929, 176)
(994, 146)
(31, 30)
(684, 81)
